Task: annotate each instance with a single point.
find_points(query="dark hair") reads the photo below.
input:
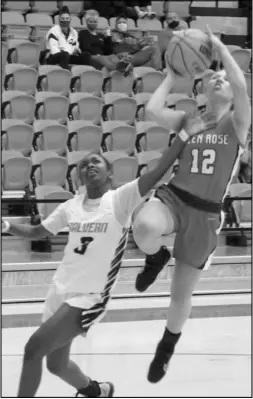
(121, 16)
(64, 10)
(108, 164)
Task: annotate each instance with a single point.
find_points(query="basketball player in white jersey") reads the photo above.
(98, 223)
(191, 204)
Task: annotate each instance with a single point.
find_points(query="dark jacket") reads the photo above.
(95, 44)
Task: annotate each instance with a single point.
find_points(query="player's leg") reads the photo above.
(153, 222)
(193, 249)
(184, 281)
(56, 332)
(60, 364)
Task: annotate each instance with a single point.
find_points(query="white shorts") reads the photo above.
(93, 307)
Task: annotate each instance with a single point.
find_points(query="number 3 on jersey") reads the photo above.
(85, 241)
(207, 164)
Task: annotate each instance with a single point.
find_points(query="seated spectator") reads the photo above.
(144, 9)
(62, 43)
(174, 23)
(138, 52)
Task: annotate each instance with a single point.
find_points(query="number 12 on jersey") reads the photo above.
(204, 165)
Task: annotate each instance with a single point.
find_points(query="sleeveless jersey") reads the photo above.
(97, 239)
(209, 161)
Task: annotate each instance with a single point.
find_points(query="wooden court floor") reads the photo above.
(213, 359)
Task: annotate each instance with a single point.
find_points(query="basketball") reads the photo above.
(189, 52)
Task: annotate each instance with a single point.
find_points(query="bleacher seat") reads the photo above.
(20, 138)
(50, 105)
(20, 77)
(24, 52)
(16, 174)
(145, 157)
(52, 168)
(172, 98)
(12, 18)
(158, 8)
(117, 83)
(39, 19)
(75, 7)
(182, 85)
(87, 138)
(181, 8)
(52, 137)
(119, 107)
(156, 138)
(112, 156)
(9, 154)
(74, 157)
(50, 193)
(141, 100)
(44, 6)
(124, 170)
(149, 25)
(16, 5)
(54, 80)
(242, 208)
(4, 47)
(242, 57)
(89, 81)
(18, 105)
(86, 107)
(121, 138)
(148, 82)
(188, 105)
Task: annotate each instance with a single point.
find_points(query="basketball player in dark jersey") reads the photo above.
(191, 204)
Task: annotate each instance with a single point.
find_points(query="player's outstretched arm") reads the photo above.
(157, 110)
(242, 108)
(25, 230)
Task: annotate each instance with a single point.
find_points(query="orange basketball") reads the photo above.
(189, 52)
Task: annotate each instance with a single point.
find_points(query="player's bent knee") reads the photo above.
(33, 349)
(54, 366)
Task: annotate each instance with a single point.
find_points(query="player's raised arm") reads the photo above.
(157, 110)
(241, 101)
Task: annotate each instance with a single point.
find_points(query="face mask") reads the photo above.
(92, 24)
(64, 21)
(174, 24)
(122, 27)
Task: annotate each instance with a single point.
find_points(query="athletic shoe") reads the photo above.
(106, 390)
(153, 265)
(159, 364)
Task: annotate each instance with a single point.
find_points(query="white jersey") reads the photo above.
(98, 232)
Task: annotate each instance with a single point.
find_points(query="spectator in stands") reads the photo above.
(137, 52)
(174, 23)
(94, 43)
(121, 51)
(62, 43)
(144, 9)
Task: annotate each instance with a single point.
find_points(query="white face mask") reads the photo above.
(122, 27)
